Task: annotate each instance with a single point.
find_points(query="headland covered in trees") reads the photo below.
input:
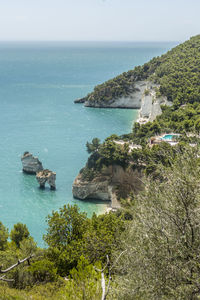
(149, 247)
(171, 88)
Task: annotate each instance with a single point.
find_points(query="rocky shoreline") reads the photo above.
(105, 185)
(144, 97)
(132, 101)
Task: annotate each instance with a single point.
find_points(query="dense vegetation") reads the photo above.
(65, 270)
(163, 238)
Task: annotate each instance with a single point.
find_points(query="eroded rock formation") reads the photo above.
(151, 103)
(142, 97)
(30, 163)
(133, 100)
(107, 185)
(46, 176)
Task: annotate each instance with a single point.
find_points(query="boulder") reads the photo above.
(30, 163)
(46, 176)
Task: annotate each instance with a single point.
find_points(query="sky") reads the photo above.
(99, 20)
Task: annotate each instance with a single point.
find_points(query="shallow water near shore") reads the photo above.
(38, 83)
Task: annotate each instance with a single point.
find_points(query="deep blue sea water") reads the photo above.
(38, 83)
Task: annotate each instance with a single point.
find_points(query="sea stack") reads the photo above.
(30, 163)
(46, 176)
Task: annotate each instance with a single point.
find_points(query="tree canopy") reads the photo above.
(18, 233)
(163, 239)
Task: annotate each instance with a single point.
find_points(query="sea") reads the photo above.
(39, 82)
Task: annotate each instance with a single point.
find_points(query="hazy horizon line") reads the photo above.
(92, 41)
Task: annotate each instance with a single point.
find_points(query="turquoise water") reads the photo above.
(38, 83)
(169, 137)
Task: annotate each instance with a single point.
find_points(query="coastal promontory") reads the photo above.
(106, 184)
(166, 90)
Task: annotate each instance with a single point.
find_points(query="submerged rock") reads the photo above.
(30, 163)
(46, 176)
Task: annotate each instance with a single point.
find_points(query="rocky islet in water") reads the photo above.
(32, 165)
(46, 176)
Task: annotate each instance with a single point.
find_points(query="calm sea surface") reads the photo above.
(38, 83)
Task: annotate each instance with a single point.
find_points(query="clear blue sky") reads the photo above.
(105, 20)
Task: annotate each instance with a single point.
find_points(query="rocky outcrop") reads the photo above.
(144, 97)
(46, 176)
(133, 100)
(151, 103)
(110, 184)
(30, 163)
(94, 189)
(81, 100)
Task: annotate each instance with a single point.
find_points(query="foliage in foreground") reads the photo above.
(83, 283)
(163, 239)
(71, 234)
(66, 269)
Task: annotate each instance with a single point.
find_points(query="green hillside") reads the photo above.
(177, 72)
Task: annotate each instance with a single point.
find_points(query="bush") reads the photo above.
(19, 233)
(3, 237)
(43, 271)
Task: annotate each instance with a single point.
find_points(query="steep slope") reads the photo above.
(176, 73)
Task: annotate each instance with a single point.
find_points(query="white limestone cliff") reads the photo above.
(106, 184)
(144, 97)
(133, 100)
(151, 103)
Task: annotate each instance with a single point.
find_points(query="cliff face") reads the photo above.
(110, 184)
(133, 100)
(168, 71)
(143, 97)
(151, 103)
